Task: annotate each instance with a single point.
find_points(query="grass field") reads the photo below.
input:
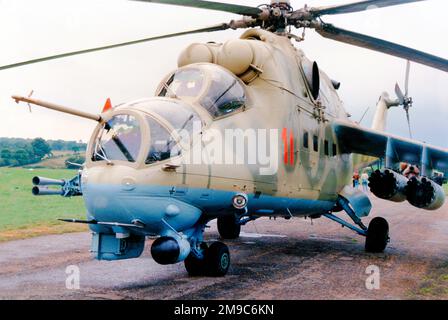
(23, 215)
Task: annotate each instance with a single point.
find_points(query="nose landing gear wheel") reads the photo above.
(217, 259)
(377, 236)
(228, 227)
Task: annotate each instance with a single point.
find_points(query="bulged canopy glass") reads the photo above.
(214, 88)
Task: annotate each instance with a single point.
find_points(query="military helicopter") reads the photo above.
(138, 179)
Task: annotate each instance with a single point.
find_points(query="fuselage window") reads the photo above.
(327, 148)
(162, 145)
(306, 143)
(316, 143)
(120, 139)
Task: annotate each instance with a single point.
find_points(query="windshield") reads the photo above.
(225, 94)
(163, 146)
(184, 83)
(120, 139)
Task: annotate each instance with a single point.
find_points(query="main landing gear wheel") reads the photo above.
(377, 236)
(216, 261)
(228, 227)
(194, 266)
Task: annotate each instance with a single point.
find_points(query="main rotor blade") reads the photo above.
(232, 8)
(331, 32)
(358, 6)
(218, 27)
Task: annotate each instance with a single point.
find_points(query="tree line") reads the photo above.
(19, 152)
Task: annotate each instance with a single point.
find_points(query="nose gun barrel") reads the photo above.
(40, 181)
(38, 191)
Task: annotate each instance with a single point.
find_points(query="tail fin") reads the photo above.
(382, 108)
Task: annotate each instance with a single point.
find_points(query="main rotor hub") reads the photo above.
(279, 7)
(281, 3)
(276, 16)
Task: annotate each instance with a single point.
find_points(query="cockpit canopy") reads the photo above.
(179, 115)
(156, 126)
(214, 88)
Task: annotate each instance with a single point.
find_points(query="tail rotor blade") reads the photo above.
(399, 94)
(409, 123)
(406, 81)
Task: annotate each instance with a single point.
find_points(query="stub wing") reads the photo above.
(355, 139)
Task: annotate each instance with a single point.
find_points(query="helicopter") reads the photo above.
(242, 130)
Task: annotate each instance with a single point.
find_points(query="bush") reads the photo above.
(19, 152)
(76, 159)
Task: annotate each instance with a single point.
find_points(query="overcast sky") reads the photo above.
(30, 29)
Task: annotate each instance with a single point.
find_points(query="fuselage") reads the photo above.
(302, 172)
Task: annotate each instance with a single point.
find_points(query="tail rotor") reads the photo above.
(404, 99)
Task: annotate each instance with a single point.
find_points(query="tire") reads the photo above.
(228, 228)
(194, 266)
(217, 260)
(377, 236)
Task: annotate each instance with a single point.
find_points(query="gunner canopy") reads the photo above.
(120, 138)
(181, 119)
